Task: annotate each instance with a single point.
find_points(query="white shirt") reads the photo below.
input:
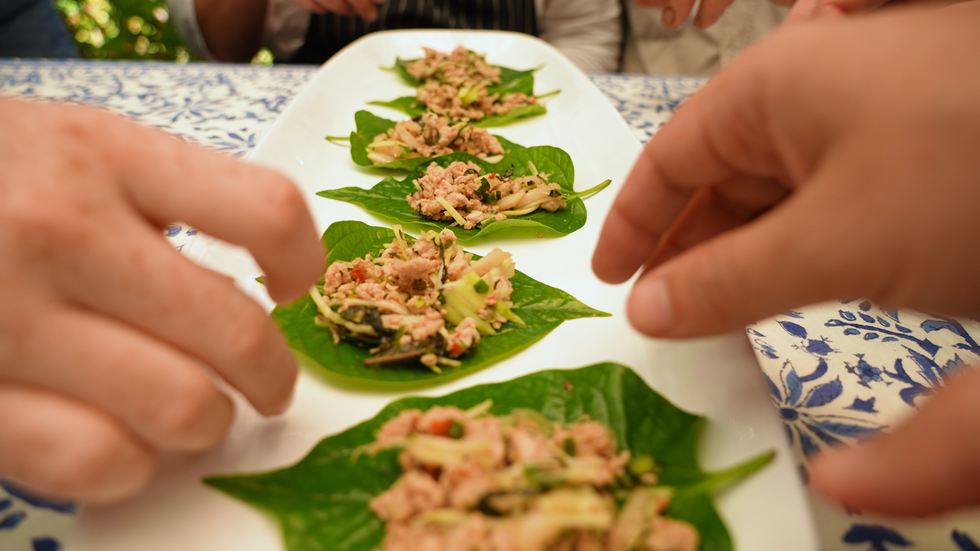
(588, 32)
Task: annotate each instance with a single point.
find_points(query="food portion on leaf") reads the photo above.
(430, 135)
(325, 501)
(529, 190)
(520, 482)
(411, 143)
(421, 299)
(461, 85)
(464, 194)
(456, 85)
(389, 302)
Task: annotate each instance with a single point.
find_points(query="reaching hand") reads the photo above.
(833, 159)
(676, 12)
(365, 9)
(106, 333)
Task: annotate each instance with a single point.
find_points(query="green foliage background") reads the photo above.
(129, 29)
(124, 29)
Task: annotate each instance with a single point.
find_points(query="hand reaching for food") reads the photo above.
(676, 12)
(837, 160)
(107, 335)
(365, 9)
(806, 10)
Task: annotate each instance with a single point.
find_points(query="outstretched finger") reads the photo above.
(169, 180)
(717, 136)
(310, 5)
(68, 449)
(190, 308)
(806, 10)
(749, 273)
(713, 211)
(340, 7)
(709, 12)
(676, 13)
(925, 467)
(163, 396)
(645, 208)
(366, 9)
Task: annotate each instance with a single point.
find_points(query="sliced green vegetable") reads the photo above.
(541, 309)
(321, 503)
(370, 125)
(387, 198)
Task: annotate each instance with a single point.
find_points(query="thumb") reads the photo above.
(738, 276)
(929, 465)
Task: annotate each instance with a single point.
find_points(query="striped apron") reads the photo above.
(329, 32)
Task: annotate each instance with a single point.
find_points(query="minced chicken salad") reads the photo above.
(429, 135)
(455, 85)
(463, 194)
(519, 482)
(424, 298)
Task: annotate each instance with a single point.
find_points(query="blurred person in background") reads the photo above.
(32, 28)
(679, 40)
(588, 32)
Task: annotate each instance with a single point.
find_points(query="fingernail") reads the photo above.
(668, 17)
(649, 308)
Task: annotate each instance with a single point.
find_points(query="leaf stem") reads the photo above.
(549, 94)
(335, 139)
(717, 480)
(590, 192)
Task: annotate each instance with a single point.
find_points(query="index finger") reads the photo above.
(244, 204)
(716, 135)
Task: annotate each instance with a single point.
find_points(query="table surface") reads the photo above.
(837, 372)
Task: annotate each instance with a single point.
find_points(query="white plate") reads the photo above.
(717, 377)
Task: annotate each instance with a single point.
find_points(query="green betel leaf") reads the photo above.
(406, 104)
(322, 501)
(522, 112)
(388, 197)
(542, 308)
(411, 107)
(507, 76)
(401, 69)
(511, 81)
(370, 125)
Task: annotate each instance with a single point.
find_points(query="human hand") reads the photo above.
(106, 332)
(805, 10)
(838, 159)
(365, 9)
(676, 12)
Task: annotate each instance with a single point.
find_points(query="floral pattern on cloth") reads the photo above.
(224, 107)
(837, 372)
(845, 370)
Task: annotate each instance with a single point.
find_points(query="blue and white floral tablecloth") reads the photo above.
(837, 372)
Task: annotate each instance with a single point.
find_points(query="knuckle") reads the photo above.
(254, 336)
(49, 233)
(194, 416)
(104, 464)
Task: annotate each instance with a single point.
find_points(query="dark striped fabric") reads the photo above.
(328, 33)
